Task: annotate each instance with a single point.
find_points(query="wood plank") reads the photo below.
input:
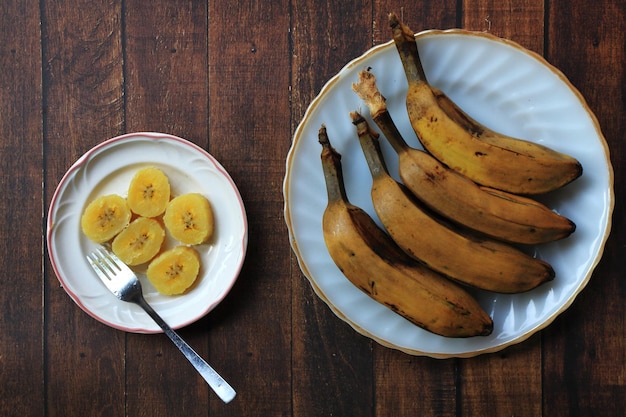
(166, 61)
(330, 360)
(421, 15)
(503, 383)
(425, 386)
(519, 20)
(507, 383)
(248, 113)
(421, 386)
(332, 364)
(585, 349)
(65, 86)
(83, 96)
(166, 91)
(21, 343)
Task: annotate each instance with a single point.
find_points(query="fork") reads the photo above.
(125, 285)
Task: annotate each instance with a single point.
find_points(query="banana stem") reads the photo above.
(390, 130)
(368, 92)
(404, 39)
(370, 145)
(331, 164)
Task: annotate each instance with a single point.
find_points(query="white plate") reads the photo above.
(108, 168)
(507, 88)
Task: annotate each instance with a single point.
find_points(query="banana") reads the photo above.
(105, 217)
(375, 264)
(489, 158)
(139, 242)
(175, 270)
(486, 264)
(494, 213)
(189, 219)
(148, 192)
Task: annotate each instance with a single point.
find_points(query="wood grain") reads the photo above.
(236, 78)
(83, 97)
(519, 20)
(21, 295)
(165, 68)
(586, 354)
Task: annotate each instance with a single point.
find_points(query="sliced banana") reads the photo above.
(175, 270)
(189, 219)
(139, 242)
(105, 217)
(149, 192)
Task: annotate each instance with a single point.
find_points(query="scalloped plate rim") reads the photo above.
(296, 247)
(127, 139)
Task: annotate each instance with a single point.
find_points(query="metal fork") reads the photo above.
(125, 285)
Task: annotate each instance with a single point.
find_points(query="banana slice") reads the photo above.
(139, 242)
(189, 219)
(175, 270)
(105, 217)
(149, 192)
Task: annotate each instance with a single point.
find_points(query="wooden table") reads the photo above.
(236, 79)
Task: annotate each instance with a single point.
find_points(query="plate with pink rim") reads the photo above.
(106, 169)
(507, 88)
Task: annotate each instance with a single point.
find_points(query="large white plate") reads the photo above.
(507, 88)
(108, 168)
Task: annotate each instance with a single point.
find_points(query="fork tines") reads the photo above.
(105, 263)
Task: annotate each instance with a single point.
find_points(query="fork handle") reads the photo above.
(215, 381)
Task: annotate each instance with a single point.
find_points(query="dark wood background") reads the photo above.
(235, 77)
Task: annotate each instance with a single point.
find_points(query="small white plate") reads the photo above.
(108, 168)
(502, 85)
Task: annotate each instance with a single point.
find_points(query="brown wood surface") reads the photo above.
(236, 79)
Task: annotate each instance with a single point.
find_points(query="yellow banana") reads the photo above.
(375, 264)
(495, 213)
(486, 264)
(487, 157)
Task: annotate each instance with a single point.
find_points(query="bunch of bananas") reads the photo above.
(455, 218)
